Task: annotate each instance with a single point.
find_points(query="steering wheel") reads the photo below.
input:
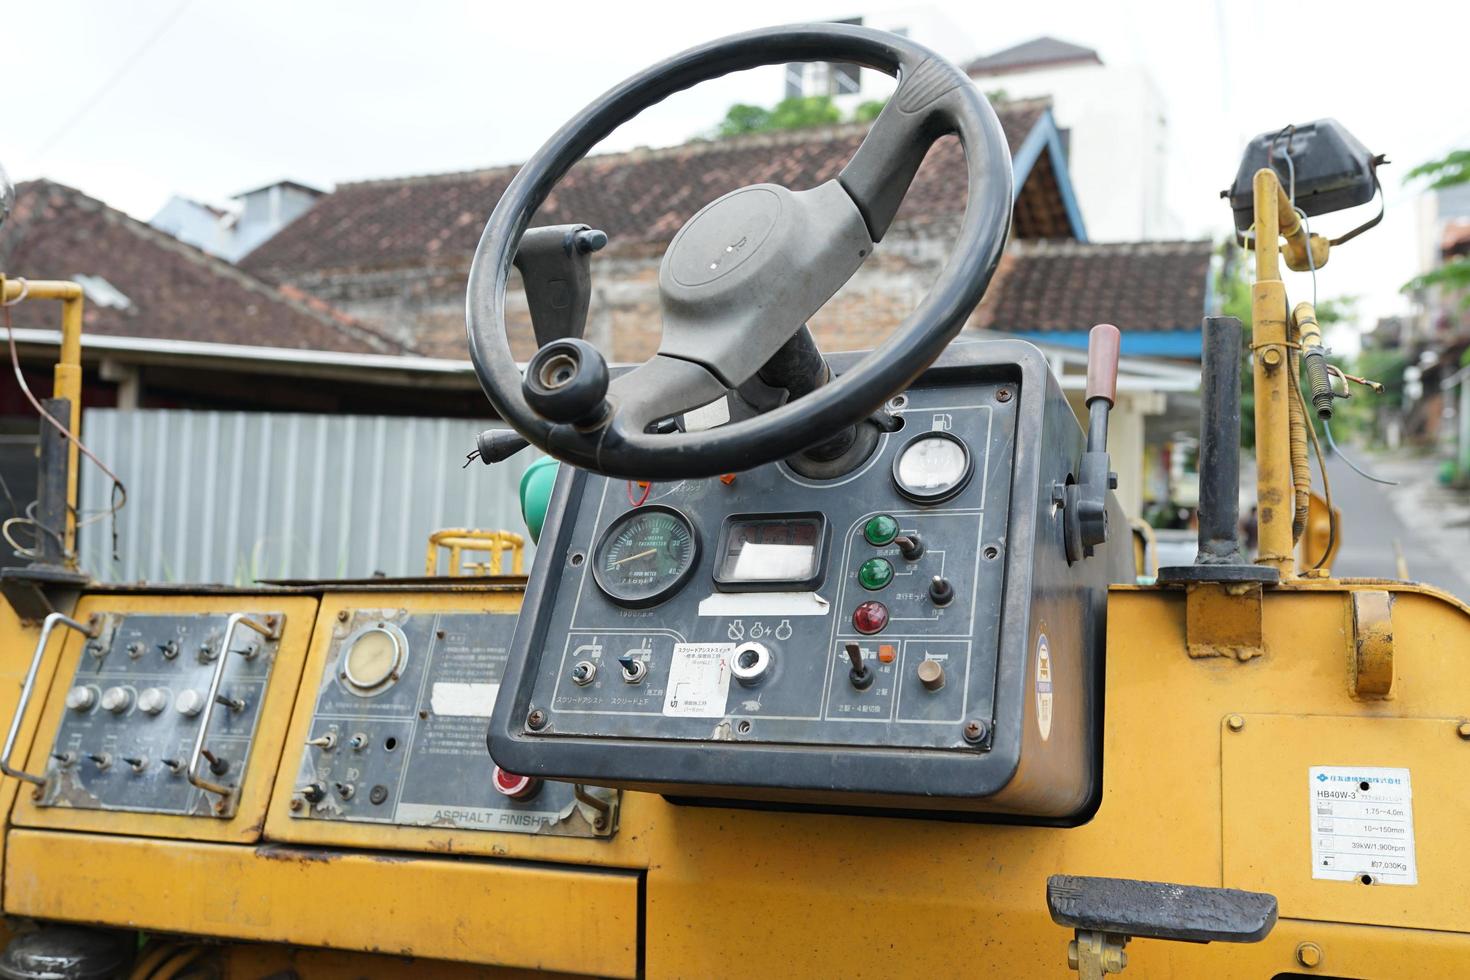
(743, 275)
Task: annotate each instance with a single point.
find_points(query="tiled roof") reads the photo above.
(167, 289)
(1137, 286)
(639, 197)
(1041, 52)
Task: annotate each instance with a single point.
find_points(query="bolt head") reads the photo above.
(1235, 723)
(1004, 395)
(536, 719)
(342, 615)
(1464, 730)
(295, 803)
(1309, 954)
(1271, 356)
(974, 731)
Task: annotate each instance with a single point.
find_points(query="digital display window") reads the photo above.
(766, 552)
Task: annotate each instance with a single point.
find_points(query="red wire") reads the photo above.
(647, 487)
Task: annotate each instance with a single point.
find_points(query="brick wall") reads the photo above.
(424, 307)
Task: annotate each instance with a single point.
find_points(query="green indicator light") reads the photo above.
(880, 530)
(875, 573)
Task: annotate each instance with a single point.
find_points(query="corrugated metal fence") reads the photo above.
(231, 497)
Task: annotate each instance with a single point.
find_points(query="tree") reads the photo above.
(795, 113)
(1453, 277)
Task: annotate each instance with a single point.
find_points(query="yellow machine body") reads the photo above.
(1220, 700)
(1205, 782)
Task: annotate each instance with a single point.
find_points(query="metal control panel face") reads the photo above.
(772, 608)
(135, 706)
(398, 732)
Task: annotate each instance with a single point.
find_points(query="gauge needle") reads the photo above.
(641, 554)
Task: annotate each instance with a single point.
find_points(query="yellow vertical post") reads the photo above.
(1274, 496)
(67, 383)
(66, 380)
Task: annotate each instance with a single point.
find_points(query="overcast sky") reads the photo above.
(134, 101)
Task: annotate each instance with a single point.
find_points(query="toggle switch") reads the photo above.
(313, 792)
(326, 742)
(634, 670)
(217, 765)
(102, 761)
(234, 704)
(941, 593)
(138, 763)
(170, 650)
(860, 674)
(65, 760)
(172, 765)
(910, 546)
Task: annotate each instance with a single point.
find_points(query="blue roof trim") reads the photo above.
(1044, 136)
(1144, 343)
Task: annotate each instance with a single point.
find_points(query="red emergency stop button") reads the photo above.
(515, 786)
(870, 617)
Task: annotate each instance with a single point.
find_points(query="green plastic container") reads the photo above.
(536, 485)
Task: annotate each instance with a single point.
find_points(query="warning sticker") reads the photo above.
(699, 680)
(1362, 825)
(1043, 687)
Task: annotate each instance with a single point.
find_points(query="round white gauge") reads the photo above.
(932, 467)
(372, 658)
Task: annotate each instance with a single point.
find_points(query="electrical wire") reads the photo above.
(119, 494)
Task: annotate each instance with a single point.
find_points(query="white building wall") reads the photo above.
(1118, 144)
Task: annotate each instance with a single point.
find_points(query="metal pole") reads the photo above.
(1219, 443)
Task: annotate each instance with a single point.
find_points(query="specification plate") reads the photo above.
(1362, 825)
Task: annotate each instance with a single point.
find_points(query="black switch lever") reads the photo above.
(554, 269)
(910, 546)
(1086, 503)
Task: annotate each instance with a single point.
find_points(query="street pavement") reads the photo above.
(1429, 525)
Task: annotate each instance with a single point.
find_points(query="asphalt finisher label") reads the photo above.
(1362, 823)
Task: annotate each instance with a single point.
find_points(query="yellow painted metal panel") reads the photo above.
(17, 644)
(741, 893)
(265, 752)
(634, 820)
(576, 921)
(1267, 823)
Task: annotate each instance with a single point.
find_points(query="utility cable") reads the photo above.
(119, 492)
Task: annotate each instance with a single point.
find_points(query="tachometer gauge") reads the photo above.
(932, 467)
(645, 556)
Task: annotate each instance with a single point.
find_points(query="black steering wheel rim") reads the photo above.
(933, 97)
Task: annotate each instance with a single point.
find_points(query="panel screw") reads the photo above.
(975, 731)
(1308, 954)
(295, 803)
(1464, 730)
(342, 615)
(1004, 395)
(536, 720)
(1235, 723)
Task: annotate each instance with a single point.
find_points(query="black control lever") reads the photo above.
(553, 262)
(553, 266)
(1086, 501)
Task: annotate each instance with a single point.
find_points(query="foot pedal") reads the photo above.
(1108, 912)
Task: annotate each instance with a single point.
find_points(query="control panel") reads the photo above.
(161, 713)
(892, 637)
(397, 732)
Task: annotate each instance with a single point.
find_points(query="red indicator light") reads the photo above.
(515, 786)
(870, 617)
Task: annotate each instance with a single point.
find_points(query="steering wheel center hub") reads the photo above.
(724, 236)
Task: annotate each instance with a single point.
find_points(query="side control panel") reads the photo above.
(161, 713)
(398, 732)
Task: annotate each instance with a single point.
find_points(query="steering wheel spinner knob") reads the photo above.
(566, 381)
